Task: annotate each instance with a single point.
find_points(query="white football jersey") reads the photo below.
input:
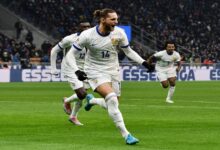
(65, 44)
(166, 61)
(102, 55)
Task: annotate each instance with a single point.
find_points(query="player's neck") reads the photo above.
(102, 30)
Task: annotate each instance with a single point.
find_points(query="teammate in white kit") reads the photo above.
(166, 71)
(78, 86)
(101, 63)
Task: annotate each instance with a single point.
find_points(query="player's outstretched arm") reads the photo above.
(135, 57)
(53, 57)
(178, 66)
(150, 59)
(62, 45)
(70, 58)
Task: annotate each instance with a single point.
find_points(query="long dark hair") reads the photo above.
(102, 13)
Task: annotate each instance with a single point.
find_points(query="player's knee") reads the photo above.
(81, 96)
(172, 83)
(81, 93)
(112, 104)
(165, 86)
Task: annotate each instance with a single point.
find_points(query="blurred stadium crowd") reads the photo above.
(193, 24)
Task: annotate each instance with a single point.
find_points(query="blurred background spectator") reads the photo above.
(5, 59)
(18, 27)
(193, 24)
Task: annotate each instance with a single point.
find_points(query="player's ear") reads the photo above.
(102, 20)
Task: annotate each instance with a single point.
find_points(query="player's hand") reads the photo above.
(150, 67)
(55, 72)
(81, 75)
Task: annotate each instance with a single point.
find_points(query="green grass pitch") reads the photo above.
(32, 118)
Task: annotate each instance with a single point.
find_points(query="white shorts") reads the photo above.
(164, 74)
(116, 84)
(71, 77)
(75, 83)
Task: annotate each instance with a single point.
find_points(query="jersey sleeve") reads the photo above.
(65, 42)
(133, 55)
(53, 56)
(81, 42)
(124, 39)
(158, 54)
(71, 60)
(178, 57)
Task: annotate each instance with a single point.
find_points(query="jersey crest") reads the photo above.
(115, 41)
(174, 58)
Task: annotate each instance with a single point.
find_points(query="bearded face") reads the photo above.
(110, 22)
(170, 48)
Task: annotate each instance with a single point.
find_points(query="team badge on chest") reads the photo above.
(115, 41)
(174, 58)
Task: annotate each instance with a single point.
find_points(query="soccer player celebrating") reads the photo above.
(166, 71)
(78, 86)
(101, 63)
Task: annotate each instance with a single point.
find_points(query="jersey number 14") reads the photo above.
(105, 54)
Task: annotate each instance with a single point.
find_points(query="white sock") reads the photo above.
(170, 92)
(71, 98)
(115, 114)
(76, 107)
(99, 101)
